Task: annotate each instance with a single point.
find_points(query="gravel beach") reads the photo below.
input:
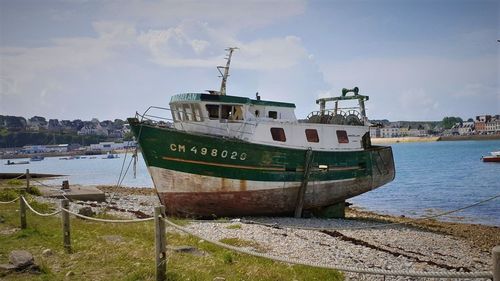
(415, 245)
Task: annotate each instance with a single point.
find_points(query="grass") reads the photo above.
(234, 226)
(131, 257)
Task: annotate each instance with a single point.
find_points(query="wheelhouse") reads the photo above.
(199, 107)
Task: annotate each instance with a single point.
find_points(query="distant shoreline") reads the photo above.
(432, 139)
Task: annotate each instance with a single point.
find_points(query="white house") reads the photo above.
(389, 132)
(109, 146)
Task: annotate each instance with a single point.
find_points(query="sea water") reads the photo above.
(431, 178)
(436, 177)
(88, 170)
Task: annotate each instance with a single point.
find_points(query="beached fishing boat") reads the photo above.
(222, 155)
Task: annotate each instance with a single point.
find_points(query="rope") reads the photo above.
(18, 177)
(38, 213)
(8, 202)
(106, 220)
(43, 184)
(480, 274)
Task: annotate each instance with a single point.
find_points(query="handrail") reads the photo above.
(148, 117)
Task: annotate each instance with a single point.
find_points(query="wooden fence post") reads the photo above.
(28, 177)
(22, 212)
(160, 243)
(496, 263)
(66, 226)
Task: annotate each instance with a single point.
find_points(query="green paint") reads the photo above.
(188, 97)
(236, 159)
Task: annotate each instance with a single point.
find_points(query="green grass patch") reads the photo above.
(8, 194)
(234, 226)
(239, 242)
(179, 221)
(114, 251)
(16, 182)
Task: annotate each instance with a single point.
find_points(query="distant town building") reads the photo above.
(389, 132)
(92, 128)
(487, 124)
(109, 146)
(465, 128)
(29, 149)
(375, 132)
(54, 125)
(36, 123)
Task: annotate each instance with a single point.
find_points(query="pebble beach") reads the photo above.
(408, 245)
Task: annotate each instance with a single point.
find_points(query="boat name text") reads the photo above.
(214, 152)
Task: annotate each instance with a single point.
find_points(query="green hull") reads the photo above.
(265, 177)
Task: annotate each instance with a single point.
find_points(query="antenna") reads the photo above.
(224, 75)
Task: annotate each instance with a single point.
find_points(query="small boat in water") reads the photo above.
(37, 158)
(111, 156)
(494, 157)
(16, 163)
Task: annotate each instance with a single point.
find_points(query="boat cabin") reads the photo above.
(199, 107)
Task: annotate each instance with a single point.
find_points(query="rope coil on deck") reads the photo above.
(479, 274)
(38, 213)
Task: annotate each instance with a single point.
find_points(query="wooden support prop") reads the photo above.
(28, 177)
(65, 184)
(22, 212)
(161, 244)
(303, 186)
(66, 226)
(496, 263)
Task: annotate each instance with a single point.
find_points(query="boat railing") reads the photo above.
(191, 119)
(344, 116)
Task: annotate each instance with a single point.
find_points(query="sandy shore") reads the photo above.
(416, 245)
(432, 139)
(403, 139)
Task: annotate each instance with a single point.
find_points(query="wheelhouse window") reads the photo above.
(342, 136)
(197, 112)
(231, 112)
(278, 134)
(273, 114)
(188, 111)
(176, 113)
(213, 111)
(312, 135)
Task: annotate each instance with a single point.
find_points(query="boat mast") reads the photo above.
(224, 75)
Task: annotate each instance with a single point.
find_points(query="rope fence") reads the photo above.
(36, 212)
(160, 241)
(107, 220)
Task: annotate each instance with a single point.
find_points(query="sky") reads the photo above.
(83, 59)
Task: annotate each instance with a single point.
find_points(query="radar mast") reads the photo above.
(224, 75)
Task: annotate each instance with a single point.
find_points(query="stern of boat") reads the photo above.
(383, 168)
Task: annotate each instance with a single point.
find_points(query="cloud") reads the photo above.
(67, 53)
(414, 88)
(193, 44)
(112, 58)
(232, 15)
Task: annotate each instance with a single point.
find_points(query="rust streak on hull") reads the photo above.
(278, 201)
